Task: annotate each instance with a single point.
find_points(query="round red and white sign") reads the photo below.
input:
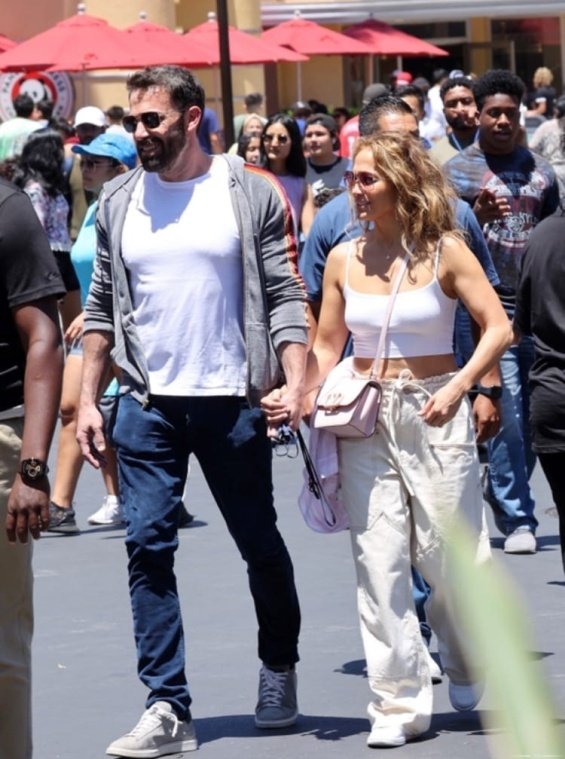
(58, 88)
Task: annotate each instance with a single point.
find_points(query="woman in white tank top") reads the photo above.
(418, 475)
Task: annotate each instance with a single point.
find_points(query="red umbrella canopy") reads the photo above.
(6, 44)
(77, 43)
(310, 38)
(244, 48)
(383, 39)
(174, 48)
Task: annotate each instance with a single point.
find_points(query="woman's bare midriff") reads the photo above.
(419, 366)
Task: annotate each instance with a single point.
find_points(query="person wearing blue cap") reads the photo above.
(107, 156)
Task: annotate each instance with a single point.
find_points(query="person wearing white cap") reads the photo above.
(89, 122)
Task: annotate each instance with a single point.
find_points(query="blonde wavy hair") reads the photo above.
(426, 201)
(542, 77)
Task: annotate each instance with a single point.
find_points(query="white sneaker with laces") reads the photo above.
(277, 705)
(158, 732)
(110, 513)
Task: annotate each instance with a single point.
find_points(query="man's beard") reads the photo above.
(164, 149)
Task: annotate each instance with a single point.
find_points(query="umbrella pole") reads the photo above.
(298, 81)
(217, 88)
(369, 69)
(377, 69)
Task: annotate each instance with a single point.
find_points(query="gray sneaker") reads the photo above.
(522, 540)
(62, 520)
(276, 705)
(158, 732)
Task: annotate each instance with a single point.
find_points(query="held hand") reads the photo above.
(90, 436)
(75, 329)
(489, 207)
(293, 401)
(486, 415)
(28, 510)
(441, 407)
(274, 410)
(282, 406)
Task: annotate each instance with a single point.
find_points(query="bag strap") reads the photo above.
(388, 313)
(314, 483)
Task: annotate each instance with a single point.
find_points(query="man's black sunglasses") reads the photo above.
(149, 119)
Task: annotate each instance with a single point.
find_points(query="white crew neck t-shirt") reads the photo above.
(181, 248)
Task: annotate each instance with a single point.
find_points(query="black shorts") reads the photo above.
(67, 270)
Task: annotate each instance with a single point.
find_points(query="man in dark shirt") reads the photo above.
(540, 312)
(31, 366)
(510, 190)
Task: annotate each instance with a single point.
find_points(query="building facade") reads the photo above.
(515, 34)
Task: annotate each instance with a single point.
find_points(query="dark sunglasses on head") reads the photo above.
(149, 119)
(364, 178)
(282, 138)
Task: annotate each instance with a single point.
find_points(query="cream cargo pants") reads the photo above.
(403, 489)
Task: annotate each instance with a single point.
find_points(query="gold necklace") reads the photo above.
(388, 252)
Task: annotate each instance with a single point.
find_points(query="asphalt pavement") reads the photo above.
(86, 691)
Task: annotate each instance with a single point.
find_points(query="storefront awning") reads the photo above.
(407, 12)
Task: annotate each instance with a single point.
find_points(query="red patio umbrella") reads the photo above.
(383, 39)
(78, 43)
(309, 38)
(6, 44)
(244, 48)
(83, 43)
(172, 48)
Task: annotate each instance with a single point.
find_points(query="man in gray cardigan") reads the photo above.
(197, 299)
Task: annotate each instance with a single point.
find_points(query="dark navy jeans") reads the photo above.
(229, 440)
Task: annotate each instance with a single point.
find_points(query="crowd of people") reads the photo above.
(166, 298)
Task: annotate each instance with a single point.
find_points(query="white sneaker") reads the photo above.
(158, 732)
(110, 513)
(384, 736)
(522, 540)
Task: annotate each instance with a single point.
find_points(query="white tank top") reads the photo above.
(421, 323)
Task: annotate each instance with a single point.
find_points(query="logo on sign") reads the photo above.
(39, 85)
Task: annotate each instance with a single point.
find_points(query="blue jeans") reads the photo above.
(229, 440)
(420, 593)
(511, 459)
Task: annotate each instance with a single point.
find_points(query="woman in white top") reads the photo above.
(406, 485)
